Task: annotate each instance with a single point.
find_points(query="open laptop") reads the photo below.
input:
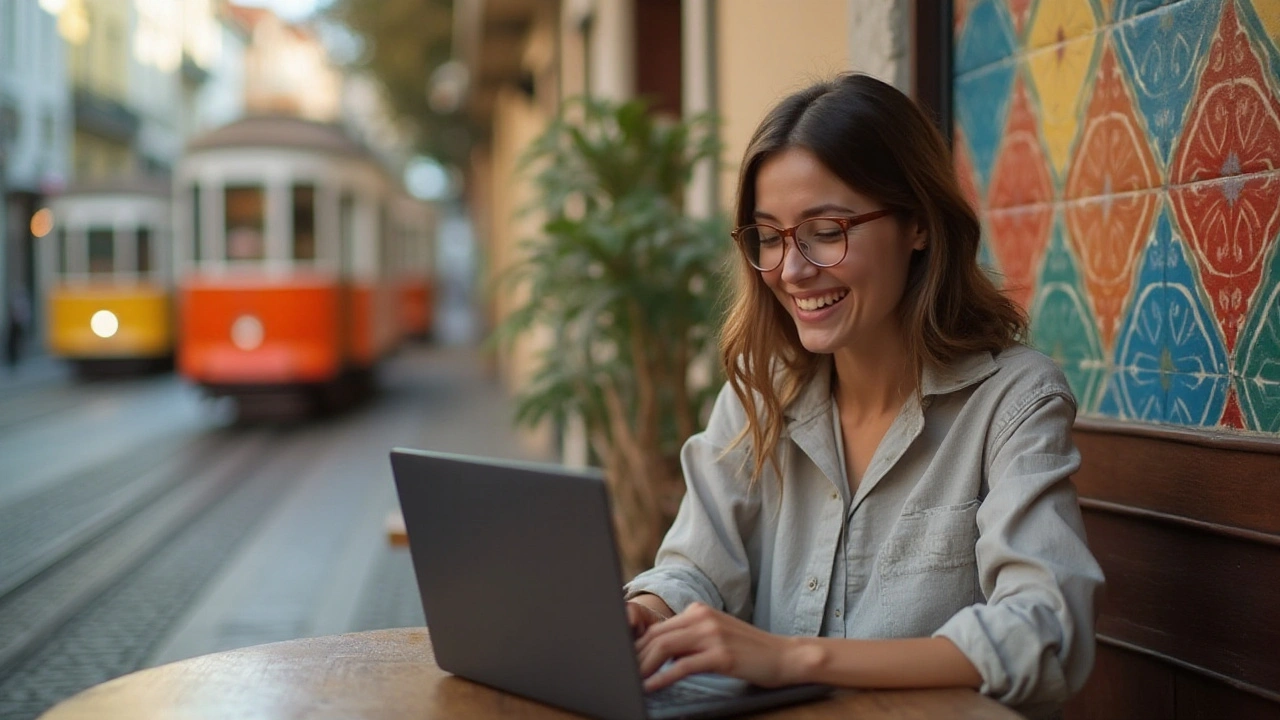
(522, 590)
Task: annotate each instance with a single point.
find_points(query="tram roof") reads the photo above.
(279, 131)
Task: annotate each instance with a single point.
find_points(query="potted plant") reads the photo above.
(629, 285)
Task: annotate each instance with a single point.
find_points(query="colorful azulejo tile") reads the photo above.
(1109, 201)
(1257, 361)
(1020, 200)
(984, 78)
(1061, 325)
(1226, 193)
(1171, 365)
(1162, 52)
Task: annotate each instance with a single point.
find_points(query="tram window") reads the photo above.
(245, 210)
(346, 231)
(144, 251)
(195, 224)
(386, 243)
(304, 222)
(101, 251)
(60, 247)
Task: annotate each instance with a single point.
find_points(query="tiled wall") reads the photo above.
(1125, 158)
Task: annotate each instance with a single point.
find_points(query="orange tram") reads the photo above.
(301, 264)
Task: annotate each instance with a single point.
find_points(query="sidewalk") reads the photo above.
(322, 562)
(33, 369)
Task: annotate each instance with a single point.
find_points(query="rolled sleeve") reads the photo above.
(1033, 640)
(704, 556)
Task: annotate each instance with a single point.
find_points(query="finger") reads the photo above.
(681, 668)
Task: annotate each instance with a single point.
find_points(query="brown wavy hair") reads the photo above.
(882, 145)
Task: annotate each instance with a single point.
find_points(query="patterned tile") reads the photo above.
(1171, 364)
(1061, 325)
(1019, 11)
(984, 80)
(1058, 76)
(986, 37)
(1057, 21)
(1110, 212)
(1263, 18)
(1161, 53)
(1020, 199)
(1227, 169)
(1257, 361)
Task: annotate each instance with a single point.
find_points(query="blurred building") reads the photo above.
(35, 127)
(287, 69)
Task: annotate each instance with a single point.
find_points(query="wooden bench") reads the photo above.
(1186, 526)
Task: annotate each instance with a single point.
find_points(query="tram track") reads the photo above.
(47, 586)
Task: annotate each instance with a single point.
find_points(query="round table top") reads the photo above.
(392, 674)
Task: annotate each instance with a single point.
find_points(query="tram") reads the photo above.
(416, 226)
(286, 248)
(108, 285)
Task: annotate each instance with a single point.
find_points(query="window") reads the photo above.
(60, 247)
(346, 231)
(244, 223)
(144, 251)
(304, 222)
(195, 225)
(102, 243)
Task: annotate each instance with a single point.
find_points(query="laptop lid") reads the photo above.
(522, 590)
(520, 580)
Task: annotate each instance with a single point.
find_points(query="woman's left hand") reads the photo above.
(701, 639)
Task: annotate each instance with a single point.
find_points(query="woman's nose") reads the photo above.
(795, 265)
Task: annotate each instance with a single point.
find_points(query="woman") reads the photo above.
(882, 496)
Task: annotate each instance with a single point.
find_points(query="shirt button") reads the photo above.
(839, 612)
(835, 496)
(813, 583)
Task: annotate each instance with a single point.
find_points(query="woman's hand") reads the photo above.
(701, 639)
(640, 616)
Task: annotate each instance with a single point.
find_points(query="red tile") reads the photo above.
(1226, 194)
(1019, 237)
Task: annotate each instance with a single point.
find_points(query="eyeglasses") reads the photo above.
(822, 241)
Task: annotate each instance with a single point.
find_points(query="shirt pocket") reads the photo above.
(928, 568)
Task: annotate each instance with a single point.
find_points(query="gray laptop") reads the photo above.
(521, 588)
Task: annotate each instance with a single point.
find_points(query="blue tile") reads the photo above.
(986, 38)
(1171, 361)
(982, 105)
(1161, 54)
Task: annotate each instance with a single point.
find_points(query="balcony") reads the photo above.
(104, 117)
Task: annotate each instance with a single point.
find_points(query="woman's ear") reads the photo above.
(920, 236)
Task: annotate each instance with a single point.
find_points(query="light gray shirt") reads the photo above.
(965, 526)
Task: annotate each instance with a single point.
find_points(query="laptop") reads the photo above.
(522, 590)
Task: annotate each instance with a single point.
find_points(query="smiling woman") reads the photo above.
(882, 496)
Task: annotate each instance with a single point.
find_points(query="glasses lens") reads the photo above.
(821, 240)
(763, 246)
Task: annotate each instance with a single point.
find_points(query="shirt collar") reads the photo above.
(815, 398)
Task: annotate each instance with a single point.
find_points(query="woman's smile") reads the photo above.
(814, 306)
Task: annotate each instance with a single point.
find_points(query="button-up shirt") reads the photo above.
(965, 525)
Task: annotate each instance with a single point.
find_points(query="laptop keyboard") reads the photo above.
(681, 694)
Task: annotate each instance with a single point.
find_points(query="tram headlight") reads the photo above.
(247, 332)
(104, 323)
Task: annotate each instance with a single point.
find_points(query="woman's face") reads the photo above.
(835, 307)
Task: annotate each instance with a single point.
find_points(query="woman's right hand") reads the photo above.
(641, 615)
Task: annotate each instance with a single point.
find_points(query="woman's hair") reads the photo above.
(882, 145)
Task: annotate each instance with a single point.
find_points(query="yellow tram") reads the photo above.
(108, 284)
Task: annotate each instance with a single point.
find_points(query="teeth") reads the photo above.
(820, 301)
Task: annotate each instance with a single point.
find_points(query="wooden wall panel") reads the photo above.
(1186, 526)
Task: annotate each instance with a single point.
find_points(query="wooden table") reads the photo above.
(393, 674)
